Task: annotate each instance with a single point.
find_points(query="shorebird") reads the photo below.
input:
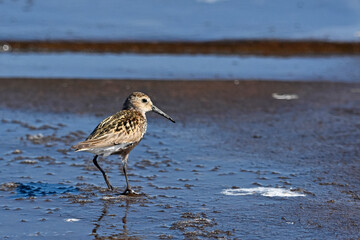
(120, 133)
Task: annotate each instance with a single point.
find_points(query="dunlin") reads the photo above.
(120, 133)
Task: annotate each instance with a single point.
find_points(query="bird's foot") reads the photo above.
(111, 188)
(129, 191)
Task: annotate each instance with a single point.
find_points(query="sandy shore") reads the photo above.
(180, 97)
(274, 47)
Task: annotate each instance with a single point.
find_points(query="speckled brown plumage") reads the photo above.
(126, 126)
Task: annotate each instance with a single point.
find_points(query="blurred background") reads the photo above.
(265, 95)
(190, 39)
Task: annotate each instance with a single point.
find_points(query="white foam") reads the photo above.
(285, 96)
(29, 161)
(110, 198)
(263, 191)
(5, 48)
(72, 220)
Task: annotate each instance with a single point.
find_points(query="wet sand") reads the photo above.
(181, 97)
(229, 135)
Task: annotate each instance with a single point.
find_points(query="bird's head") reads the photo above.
(142, 103)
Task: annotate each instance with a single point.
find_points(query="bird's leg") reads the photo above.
(128, 189)
(103, 173)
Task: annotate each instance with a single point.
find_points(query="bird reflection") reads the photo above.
(101, 223)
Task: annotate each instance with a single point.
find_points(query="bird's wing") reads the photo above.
(123, 128)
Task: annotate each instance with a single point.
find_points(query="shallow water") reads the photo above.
(170, 67)
(181, 171)
(197, 20)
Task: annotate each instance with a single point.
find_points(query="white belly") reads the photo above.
(106, 151)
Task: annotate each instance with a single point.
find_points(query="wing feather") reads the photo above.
(123, 128)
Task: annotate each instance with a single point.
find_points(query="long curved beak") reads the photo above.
(157, 110)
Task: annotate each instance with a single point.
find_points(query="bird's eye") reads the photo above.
(144, 100)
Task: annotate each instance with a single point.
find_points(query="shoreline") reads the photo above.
(256, 47)
(84, 96)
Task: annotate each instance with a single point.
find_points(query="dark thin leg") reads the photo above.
(126, 178)
(103, 173)
(128, 189)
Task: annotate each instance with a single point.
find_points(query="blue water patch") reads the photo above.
(42, 189)
(198, 20)
(175, 67)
